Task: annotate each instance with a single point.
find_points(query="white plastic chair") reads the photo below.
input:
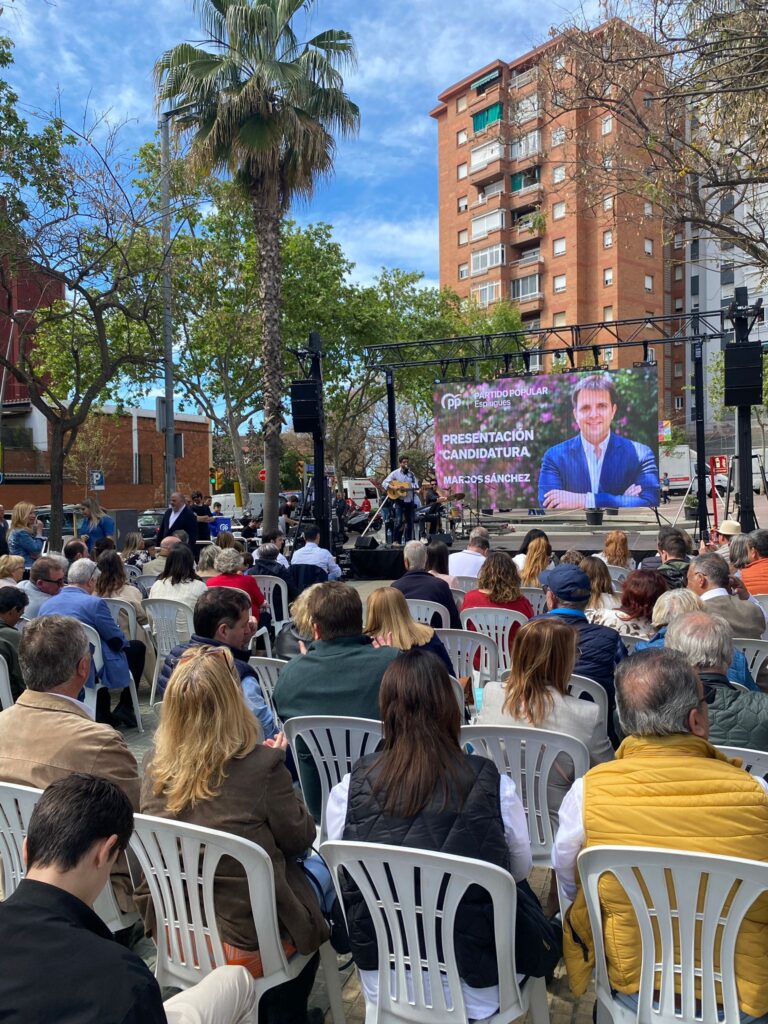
(462, 645)
(172, 624)
(119, 608)
(701, 898)
(458, 597)
(583, 686)
(755, 651)
(423, 611)
(98, 663)
(618, 574)
(537, 597)
(412, 897)
(6, 697)
(630, 642)
(133, 572)
(262, 632)
(497, 624)
(267, 671)
(336, 745)
(268, 585)
(528, 757)
(179, 862)
(144, 583)
(16, 806)
(753, 761)
(466, 583)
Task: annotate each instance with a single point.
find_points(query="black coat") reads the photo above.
(423, 586)
(187, 520)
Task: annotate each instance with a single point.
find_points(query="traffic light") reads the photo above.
(300, 467)
(218, 481)
(212, 477)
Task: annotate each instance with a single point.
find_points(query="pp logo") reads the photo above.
(451, 401)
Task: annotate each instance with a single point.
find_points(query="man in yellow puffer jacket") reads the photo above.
(668, 787)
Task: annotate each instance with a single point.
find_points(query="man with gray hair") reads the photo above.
(49, 733)
(470, 561)
(668, 787)
(737, 718)
(266, 563)
(46, 578)
(156, 565)
(421, 585)
(709, 577)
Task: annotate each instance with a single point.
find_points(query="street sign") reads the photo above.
(718, 463)
(262, 475)
(96, 480)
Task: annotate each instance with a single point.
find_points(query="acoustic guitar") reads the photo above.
(399, 490)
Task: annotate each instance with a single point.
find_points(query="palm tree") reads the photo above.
(264, 107)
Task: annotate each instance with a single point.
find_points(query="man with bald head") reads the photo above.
(156, 565)
(179, 516)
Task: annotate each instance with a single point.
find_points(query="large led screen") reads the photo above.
(559, 441)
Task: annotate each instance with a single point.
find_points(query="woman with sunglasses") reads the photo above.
(208, 767)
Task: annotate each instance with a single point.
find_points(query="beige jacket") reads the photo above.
(45, 737)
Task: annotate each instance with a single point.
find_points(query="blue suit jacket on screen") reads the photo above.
(564, 467)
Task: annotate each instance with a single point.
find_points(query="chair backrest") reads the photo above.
(124, 615)
(173, 854)
(144, 583)
(462, 646)
(527, 756)
(495, 623)
(133, 572)
(268, 585)
(753, 761)
(466, 583)
(6, 697)
(267, 671)
(423, 611)
(336, 745)
(583, 686)
(537, 597)
(630, 642)
(95, 641)
(412, 897)
(458, 597)
(755, 651)
(16, 806)
(618, 574)
(172, 623)
(689, 909)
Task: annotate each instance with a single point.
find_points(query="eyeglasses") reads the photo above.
(56, 583)
(204, 650)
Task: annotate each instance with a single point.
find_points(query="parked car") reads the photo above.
(149, 524)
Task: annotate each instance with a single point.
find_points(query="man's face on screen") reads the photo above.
(594, 414)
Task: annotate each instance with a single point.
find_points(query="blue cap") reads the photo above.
(568, 582)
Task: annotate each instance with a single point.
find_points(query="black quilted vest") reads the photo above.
(472, 828)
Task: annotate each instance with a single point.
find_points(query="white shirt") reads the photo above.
(313, 554)
(174, 516)
(76, 702)
(722, 592)
(594, 465)
(466, 563)
(280, 558)
(401, 477)
(479, 1002)
(570, 836)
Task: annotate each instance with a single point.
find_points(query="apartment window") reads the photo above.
(485, 294)
(648, 100)
(523, 180)
(678, 240)
(558, 211)
(486, 117)
(607, 355)
(608, 239)
(607, 277)
(678, 369)
(558, 359)
(695, 285)
(649, 282)
(534, 359)
(679, 403)
(558, 174)
(607, 314)
(558, 247)
(483, 155)
(557, 138)
(461, 171)
(678, 307)
(484, 259)
(461, 137)
(483, 225)
(606, 125)
(527, 108)
(648, 246)
(463, 271)
(461, 104)
(648, 209)
(608, 163)
(651, 351)
(679, 272)
(493, 189)
(558, 319)
(726, 273)
(526, 145)
(607, 202)
(525, 287)
(463, 236)
(558, 283)
(694, 250)
(463, 204)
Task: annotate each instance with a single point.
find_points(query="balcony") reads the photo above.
(490, 171)
(531, 258)
(528, 194)
(530, 303)
(524, 78)
(528, 227)
(490, 202)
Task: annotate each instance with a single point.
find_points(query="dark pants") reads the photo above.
(405, 514)
(287, 1003)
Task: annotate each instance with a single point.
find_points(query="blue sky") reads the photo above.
(382, 199)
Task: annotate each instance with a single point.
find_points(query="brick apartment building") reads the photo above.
(514, 224)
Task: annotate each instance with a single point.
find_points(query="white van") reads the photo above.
(229, 508)
(358, 488)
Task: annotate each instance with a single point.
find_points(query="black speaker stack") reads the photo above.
(744, 374)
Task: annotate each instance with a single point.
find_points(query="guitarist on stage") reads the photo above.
(402, 490)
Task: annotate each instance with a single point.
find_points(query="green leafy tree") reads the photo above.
(264, 106)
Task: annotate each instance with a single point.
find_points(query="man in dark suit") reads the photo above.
(597, 468)
(179, 516)
(422, 585)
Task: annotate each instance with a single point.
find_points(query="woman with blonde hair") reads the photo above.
(298, 631)
(133, 552)
(25, 536)
(209, 768)
(96, 524)
(537, 559)
(11, 570)
(616, 550)
(206, 561)
(601, 584)
(389, 621)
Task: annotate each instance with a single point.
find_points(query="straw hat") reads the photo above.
(729, 528)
